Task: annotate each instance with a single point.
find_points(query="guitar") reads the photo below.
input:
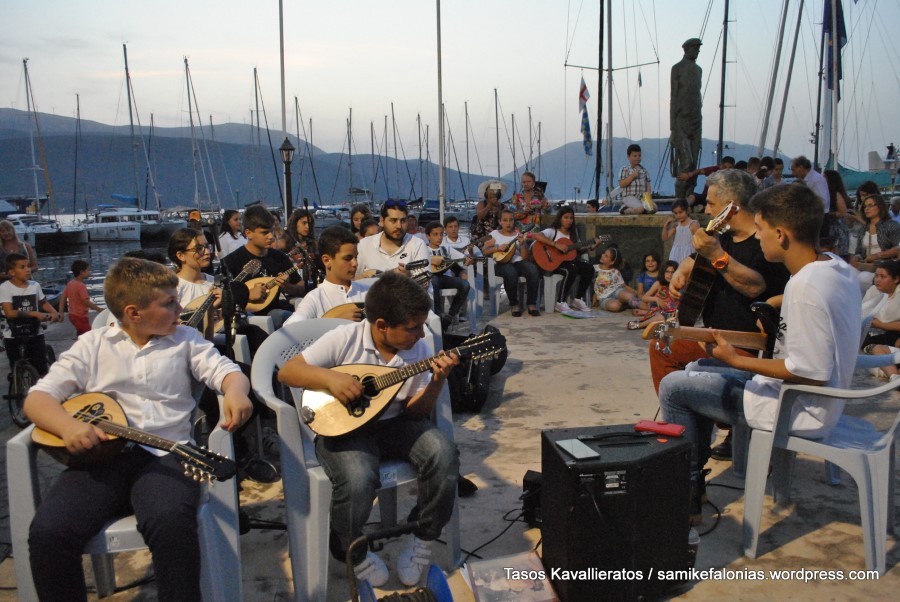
(106, 414)
(666, 331)
(196, 313)
(507, 255)
(327, 416)
(270, 287)
(446, 264)
(703, 274)
(548, 257)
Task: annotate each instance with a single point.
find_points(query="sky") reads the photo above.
(368, 54)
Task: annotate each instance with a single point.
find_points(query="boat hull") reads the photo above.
(113, 231)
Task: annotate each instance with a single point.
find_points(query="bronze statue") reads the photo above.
(685, 116)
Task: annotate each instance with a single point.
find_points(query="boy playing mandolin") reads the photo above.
(337, 246)
(396, 310)
(445, 279)
(146, 362)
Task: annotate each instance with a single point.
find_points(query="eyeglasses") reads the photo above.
(869, 205)
(200, 250)
(391, 204)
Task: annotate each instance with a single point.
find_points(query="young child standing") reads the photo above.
(25, 308)
(634, 182)
(146, 361)
(682, 227)
(79, 300)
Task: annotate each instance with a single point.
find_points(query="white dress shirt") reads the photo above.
(329, 295)
(371, 256)
(152, 383)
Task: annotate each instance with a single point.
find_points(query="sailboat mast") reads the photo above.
(761, 149)
(195, 152)
(539, 151)
(609, 92)
(137, 186)
(468, 171)
(421, 176)
(374, 166)
(77, 136)
(350, 148)
(515, 165)
(598, 163)
(787, 82)
(835, 95)
(396, 162)
(442, 177)
(818, 132)
(528, 164)
(720, 145)
(497, 127)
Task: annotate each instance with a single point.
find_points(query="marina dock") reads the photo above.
(566, 373)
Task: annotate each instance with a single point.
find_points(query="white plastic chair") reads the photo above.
(854, 445)
(472, 301)
(552, 282)
(495, 282)
(307, 489)
(102, 319)
(217, 518)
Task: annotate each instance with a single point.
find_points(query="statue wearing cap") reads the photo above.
(685, 115)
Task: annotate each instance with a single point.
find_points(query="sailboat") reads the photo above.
(31, 226)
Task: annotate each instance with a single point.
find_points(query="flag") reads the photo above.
(827, 30)
(586, 131)
(583, 96)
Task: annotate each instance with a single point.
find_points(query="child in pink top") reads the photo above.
(77, 295)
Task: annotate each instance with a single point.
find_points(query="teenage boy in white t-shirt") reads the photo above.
(820, 316)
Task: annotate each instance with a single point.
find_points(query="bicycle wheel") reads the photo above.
(51, 355)
(23, 377)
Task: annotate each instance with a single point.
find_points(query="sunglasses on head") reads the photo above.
(395, 205)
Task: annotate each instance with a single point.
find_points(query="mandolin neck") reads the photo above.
(135, 435)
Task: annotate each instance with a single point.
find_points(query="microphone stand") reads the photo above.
(228, 310)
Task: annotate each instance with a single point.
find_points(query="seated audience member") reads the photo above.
(337, 246)
(446, 280)
(369, 227)
(502, 239)
(396, 311)
(820, 317)
(563, 227)
(610, 290)
(658, 299)
(258, 224)
(647, 277)
(147, 363)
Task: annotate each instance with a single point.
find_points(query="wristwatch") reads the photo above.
(722, 262)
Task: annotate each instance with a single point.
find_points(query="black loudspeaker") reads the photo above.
(612, 522)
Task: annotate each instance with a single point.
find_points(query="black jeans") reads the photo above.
(80, 503)
(510, 273)
(570, 270)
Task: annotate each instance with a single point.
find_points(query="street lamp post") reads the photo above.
(287, 155)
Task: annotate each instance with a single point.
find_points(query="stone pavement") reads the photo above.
(560, 373)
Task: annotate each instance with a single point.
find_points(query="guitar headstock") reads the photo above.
(203, 465)
(251, 268)
(719, 224)
(480, 347)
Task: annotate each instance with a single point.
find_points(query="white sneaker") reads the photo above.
(412, 560)
(561, 307)
(580, 305)
(372, 569)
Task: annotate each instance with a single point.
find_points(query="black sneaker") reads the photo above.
(465, 487)
(722, 451)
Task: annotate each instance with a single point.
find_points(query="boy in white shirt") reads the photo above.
(145, 361)
(435, 233)
(820, 316)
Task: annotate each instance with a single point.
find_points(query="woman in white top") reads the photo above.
(231, 237)
(885, 326)
(501, 240)
(190, 253)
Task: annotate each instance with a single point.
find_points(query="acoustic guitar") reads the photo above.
(106, 414)
(509, 253)
(196, 313)
(328, 416)
(703, 274)
(548, 257)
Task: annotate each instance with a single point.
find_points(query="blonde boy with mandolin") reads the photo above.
(147, 363)
(391, 335)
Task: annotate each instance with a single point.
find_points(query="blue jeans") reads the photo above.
(352, 461)
(510, 273)
(696, 401)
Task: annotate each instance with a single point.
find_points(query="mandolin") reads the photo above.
(478, 242)
(703, 274)
(446, 264)
(509, 253)
(196, 313)
(338, 310)
(548, 257)
(106, 414)
(328, 416)
(270, 287)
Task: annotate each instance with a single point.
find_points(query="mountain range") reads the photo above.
(234, 169)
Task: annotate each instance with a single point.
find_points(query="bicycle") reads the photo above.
(24, 373)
